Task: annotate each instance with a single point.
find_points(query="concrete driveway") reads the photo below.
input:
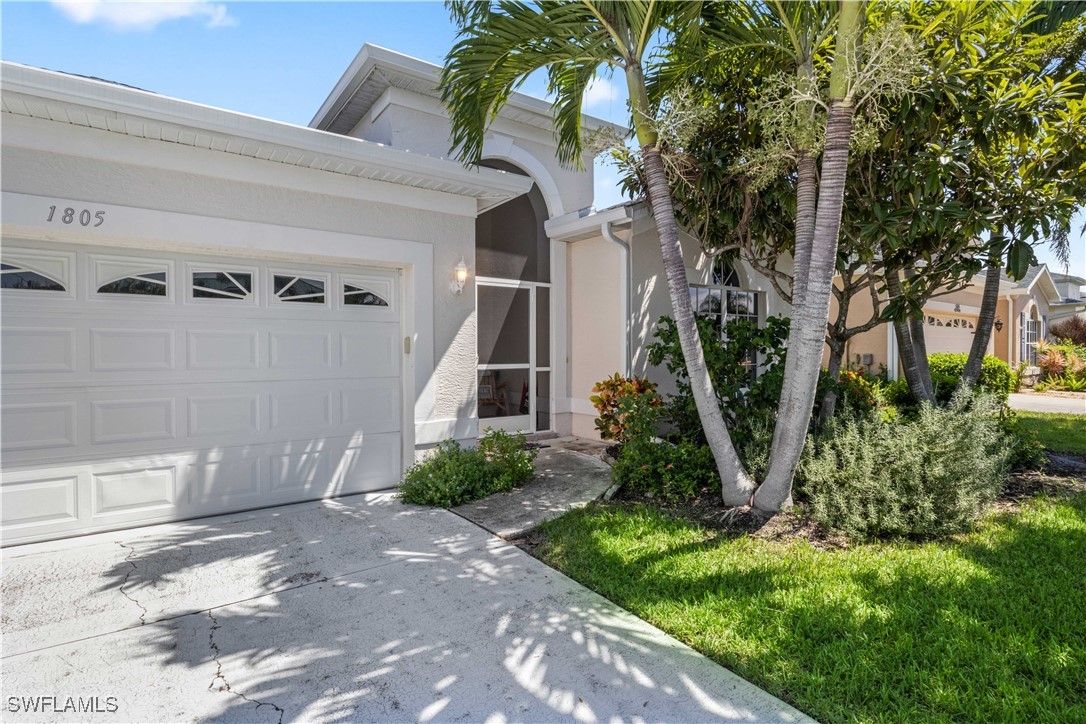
(359, 609)
(1048, 403)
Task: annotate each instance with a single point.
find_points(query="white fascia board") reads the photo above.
(109, 98)
(389, 62)
(575, 223)
(1051, 293)
(51, 137)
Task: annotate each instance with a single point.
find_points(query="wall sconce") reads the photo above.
(460, 277)
(999, 324)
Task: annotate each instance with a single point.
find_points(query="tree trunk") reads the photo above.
(806, 211)
(983, 334)
(918, 385)
(833, 369)
(736, 483)
(808, 330)
(920, 347)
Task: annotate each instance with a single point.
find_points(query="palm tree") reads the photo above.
(808, 329)
(501, 43)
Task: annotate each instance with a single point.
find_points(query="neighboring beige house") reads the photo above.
(1025, 310)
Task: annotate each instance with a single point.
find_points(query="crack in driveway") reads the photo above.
(219, 676)
(129, 559)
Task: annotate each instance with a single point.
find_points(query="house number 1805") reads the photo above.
(70, 216)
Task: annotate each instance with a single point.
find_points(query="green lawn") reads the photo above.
(1059, 431)
(988, 627)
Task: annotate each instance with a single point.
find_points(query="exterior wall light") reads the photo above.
(999, 324)
(460, 277)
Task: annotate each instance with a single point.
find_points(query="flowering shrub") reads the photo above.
(618, 397)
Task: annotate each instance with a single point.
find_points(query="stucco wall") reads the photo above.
(871, 342)
(596, 328)
(651, 298)
(184, 189)
(424, 128)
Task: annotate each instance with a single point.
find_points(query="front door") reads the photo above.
(514, 355)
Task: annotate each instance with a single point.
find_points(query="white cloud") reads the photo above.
(122, 15)
(601, 92)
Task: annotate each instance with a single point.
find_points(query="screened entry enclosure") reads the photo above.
(514, 301)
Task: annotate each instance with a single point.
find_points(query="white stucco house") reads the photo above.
(206, 312)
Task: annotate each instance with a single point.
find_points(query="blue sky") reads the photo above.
(273, 59)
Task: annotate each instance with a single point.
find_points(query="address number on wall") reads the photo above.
(69, 215)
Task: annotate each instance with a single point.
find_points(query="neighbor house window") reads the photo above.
(1030, 328)
(724, 300)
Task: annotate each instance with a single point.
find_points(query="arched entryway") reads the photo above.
(513, 283)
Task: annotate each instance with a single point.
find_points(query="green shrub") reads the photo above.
(930, 476)
(609, 397)
(453, 475)
(996, 376)
(671, 472)
(510, 461)
(647, 464)
(1024, 450)
(745, 402)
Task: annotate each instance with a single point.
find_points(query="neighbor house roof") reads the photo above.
(114, 108)
(375, 69)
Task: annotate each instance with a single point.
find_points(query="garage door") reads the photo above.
(949, 334)
(140, 388)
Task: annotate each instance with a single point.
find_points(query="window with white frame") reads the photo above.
(1030, 335)
(723, 300)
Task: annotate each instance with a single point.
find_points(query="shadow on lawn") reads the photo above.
(986, 627)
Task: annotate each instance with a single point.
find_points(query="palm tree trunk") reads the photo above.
(808, 329)
(806, 211)
(736, 483)
(983, 335)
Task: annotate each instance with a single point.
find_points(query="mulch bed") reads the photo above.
(1064, 475)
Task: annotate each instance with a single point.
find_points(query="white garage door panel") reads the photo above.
(81, 423)
(121, 410)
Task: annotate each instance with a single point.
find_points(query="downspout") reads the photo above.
(624, 295)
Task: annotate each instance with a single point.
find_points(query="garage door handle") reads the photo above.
(407, 345)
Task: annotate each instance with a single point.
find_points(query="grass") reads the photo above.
(1057, 431)
(989, 626)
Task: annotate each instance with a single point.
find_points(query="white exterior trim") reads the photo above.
(48, 95)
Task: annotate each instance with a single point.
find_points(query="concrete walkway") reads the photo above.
(358, 609)
(567, 476)
(1048, 403)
